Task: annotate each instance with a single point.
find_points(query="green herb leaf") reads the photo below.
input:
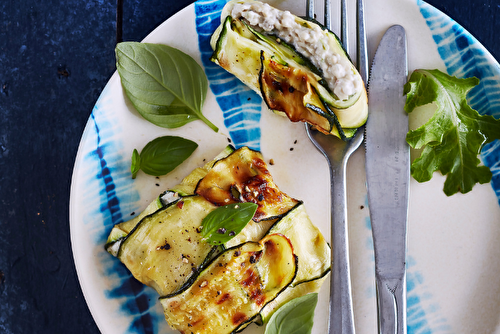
(161, 155)
(136, 163)
(455, 134)
(165, 85)
(225, 222)
(294, 317)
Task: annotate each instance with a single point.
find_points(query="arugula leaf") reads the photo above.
(161, 155)
(294, 317)
(225, 222)
(454, 135)
(165, 85)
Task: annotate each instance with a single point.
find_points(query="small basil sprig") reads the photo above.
(222, 224)
(295, 317)
(165, 85)
(161, 155)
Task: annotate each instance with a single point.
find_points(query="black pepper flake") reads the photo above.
(253, 259)
(222, 230)
(237, 253)
(362, 207)
(133, 213)
(261, 197)
(232, 234)
(157, 185)
(295, 142)
(198, 229)
(291, 148)
(228, 140)
(291, 89)
(166, 246)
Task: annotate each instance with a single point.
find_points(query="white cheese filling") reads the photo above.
(310, 42)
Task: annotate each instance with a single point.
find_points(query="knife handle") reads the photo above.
(391, 308)
(341, 308)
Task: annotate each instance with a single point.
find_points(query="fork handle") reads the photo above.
(341, 310)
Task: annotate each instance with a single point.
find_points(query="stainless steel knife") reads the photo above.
(388, 177)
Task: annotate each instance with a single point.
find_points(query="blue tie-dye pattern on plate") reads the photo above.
(240, 105)
(107, 171)
(464, 57)
(111, 176)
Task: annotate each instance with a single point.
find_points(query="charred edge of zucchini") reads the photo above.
(260, 321)
(275, 216)
(299, 203)
(147, 216)
(323, 274)
(108, 245)
(257, 319)
(277, 223)
(192, 279)
(218, 44)
(212, 255)
(336, 121)
(257, 316)
(329, 115)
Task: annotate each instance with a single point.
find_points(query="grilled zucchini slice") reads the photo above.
(166, 248)
(243, 177)
(312, 251)
(238, 48)
(185, 188)
(233, 289)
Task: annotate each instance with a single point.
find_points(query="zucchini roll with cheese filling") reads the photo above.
(298, 67)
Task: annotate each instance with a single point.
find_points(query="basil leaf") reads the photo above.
(161, 155)
(222, 224)
(294, 317)
(136, 163)
(165, 85)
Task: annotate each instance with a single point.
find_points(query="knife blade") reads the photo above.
(388, 177)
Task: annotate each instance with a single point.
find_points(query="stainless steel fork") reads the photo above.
(337, 152)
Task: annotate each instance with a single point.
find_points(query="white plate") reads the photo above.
(453, 259)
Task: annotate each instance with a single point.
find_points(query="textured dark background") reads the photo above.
(55, 58)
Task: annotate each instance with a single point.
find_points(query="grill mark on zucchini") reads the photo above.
(288, 90)
(243, 177)
(220, 295)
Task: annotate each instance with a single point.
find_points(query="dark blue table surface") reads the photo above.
(55, 58)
